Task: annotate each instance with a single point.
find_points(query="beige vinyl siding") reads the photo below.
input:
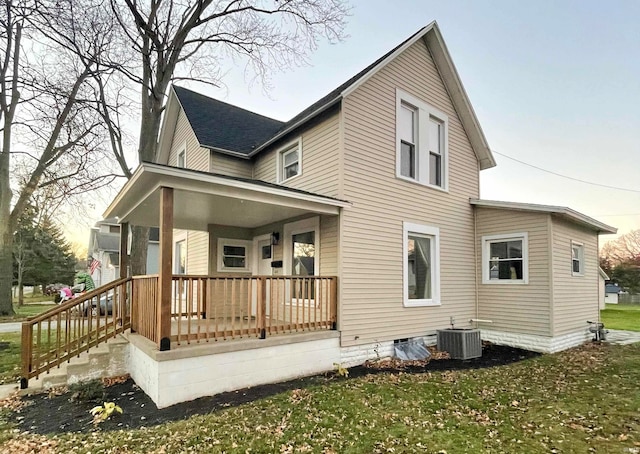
(517, 308)
(197, 252)
(228, 165)
(320, 153)
(371, 288)
(197, 158)
(575, 298)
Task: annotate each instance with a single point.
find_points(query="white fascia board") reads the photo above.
(118, 200)
(459, 96)
(235, 154)
(386, 61)
(171, 112)
(563, 211)
(229, 182)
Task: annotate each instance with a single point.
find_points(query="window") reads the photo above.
(577, 259)
(301, 247)
(421, 252)
(180, 264)
(422, 142)
(505, 259)
(181, 160)
(290, 161)
(233, 255)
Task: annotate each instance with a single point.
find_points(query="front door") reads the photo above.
(263, 252)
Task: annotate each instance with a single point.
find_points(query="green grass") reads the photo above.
(9, 357)
(620, 316)
(37, 298)
(582, 400)
(28, 310)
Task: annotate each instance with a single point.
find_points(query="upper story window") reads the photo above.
(577, 259)
(505, 259)
(181, 160)
(422, 142)
(289, 161)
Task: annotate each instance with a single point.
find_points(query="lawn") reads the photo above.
(9, 358)
(621, 316)
(581, 400)
(27, 310)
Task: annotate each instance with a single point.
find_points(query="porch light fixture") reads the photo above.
(275, 238)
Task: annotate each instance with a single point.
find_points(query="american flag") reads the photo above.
(94, 265)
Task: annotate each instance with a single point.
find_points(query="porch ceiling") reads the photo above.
(203, 198)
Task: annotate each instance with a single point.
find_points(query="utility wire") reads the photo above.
(566, 176)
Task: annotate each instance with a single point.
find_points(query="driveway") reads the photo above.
(11, 327)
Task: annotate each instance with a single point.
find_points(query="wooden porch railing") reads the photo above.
(208, 308)
(73, 327)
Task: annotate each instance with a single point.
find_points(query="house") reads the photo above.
(104, 247)
(288, 247)
(611, 292)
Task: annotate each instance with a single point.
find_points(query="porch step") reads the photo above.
(105, 360)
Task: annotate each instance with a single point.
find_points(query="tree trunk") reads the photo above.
(139, 243)
(20, 285)
(6, 268)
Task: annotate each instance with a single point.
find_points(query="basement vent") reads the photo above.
(460, 343)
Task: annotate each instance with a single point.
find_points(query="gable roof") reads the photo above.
(264, 133)
(224, 127)
(565, 212)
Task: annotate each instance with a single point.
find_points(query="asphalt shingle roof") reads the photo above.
(217, 124)
(227, 127)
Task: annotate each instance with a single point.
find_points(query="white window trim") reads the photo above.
(407, 228)
(293, 228)
(486, 255)
(177, 238)
(279, 162)
(257, 253)
(580, 258)
(424, 110)
(248, 247)
(182, 150)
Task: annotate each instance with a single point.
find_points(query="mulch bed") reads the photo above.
(45, 413)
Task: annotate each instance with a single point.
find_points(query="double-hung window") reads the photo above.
(421, 142)
(505, 259)
(577, 259)
(290, 161)
(421, 252)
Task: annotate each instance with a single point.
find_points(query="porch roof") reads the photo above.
(202, 198)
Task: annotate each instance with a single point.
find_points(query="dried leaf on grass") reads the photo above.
(28, 444)
(14, 402)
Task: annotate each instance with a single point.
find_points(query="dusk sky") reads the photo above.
(554, 84)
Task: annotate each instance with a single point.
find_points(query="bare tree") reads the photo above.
(176, 40)
(47, 108)
(624, 249)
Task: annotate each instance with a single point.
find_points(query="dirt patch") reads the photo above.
(58, 413)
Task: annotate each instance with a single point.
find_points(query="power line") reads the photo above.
(566, 176)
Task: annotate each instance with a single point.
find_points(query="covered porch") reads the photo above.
(271, 257)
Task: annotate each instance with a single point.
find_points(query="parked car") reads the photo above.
(105, 305)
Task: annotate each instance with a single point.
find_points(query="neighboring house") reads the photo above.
(358, 220)
(611, 292)
(104, 246)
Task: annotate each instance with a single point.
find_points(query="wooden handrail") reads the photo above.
(56, 335)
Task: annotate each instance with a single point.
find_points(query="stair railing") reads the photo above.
(55, 336)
